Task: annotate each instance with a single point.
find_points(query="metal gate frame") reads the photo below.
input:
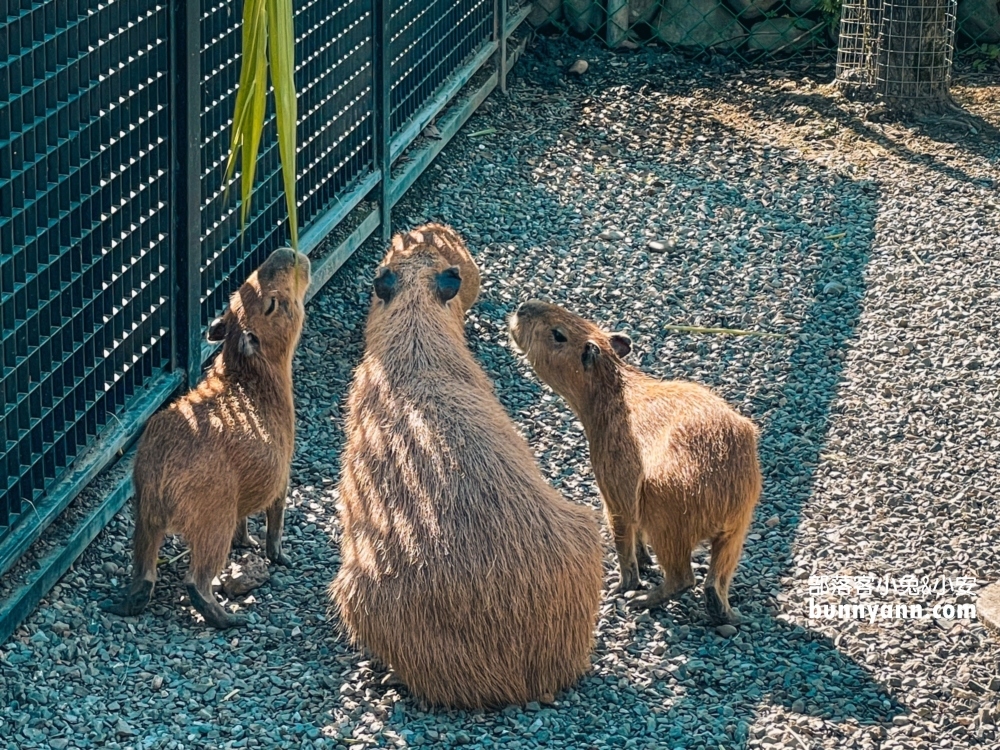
(449, 107)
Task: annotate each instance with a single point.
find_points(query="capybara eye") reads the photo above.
(559, 336)
(274, 304)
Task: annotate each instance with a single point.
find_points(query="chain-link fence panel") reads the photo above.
(745, 29)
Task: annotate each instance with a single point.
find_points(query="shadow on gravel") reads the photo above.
(788, 252)
(966, 131)
(763, 240)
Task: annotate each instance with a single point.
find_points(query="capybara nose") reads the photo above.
(304, 266)
(529, 308)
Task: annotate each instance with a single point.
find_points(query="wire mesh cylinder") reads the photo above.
(857, 52)
(901, 50)
(916, 44)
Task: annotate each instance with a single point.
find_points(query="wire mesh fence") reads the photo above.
(334, 79)
(85, 281)
(744, 29)
(119, 239)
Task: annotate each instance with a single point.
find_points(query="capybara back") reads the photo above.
(461, 568)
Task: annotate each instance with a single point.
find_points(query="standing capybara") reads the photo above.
(462, 570)
(675, 463)
(224, 450)
(447, 244)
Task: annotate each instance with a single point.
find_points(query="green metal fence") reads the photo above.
(118, 240)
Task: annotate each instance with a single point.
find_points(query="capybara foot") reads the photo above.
(657, 596)
(242, 538)
(392, 680)
(275, 552)
(280, 558)
(719, 612)
(629, 579)
(642, 557)
(133, 602)
(212, 611)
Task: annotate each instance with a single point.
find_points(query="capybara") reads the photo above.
(223, 451)
(449, 245)
(676, 465)
(462, 570)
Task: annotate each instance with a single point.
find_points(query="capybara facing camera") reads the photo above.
(676, 465)
(223, 451)
(462, 569)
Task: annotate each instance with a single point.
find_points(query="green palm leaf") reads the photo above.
(282, 58)
(268, 37)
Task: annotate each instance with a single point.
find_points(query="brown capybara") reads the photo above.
(675, 463)
(462, 569)
(449, 245)
(224, 450)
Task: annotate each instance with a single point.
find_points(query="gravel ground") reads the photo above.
(873, 249)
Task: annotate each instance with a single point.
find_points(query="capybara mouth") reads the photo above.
(513, 325)
(303, 269)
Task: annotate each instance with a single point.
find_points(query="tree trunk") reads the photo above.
(914, 55)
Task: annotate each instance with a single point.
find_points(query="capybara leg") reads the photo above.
(726, 551)
(242, 538)
(209, 550)
(275, 525)
(675, 559)
(625, 532)
(674, 584)
(642, 558)
(146, 548)
(392, 679)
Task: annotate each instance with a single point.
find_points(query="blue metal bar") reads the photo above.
(322, 225)
(323, 271)
(185, 19)
(383, 110)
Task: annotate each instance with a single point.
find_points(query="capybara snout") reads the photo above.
(265, 314)
(675, 463)
(223, 451)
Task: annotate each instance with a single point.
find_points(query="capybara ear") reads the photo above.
(217, 330)
(385, 284)
(249, 344)
(448, 283)
(591, 352)
(621, 343)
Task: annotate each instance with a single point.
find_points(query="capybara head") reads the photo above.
(443, 241)
(418, 278)
(568, 352)
(265, 315)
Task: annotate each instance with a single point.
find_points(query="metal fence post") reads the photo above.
(185, 102)
(383, 113)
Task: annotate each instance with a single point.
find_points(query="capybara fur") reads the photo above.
(446, 243)
(676, 465)
(223, 451)
(462, 569)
